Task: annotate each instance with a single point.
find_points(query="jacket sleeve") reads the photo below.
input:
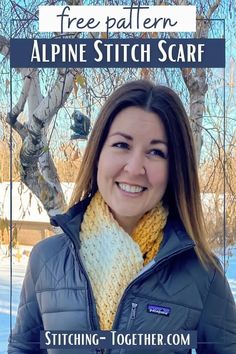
(217, 327)
(25, 337)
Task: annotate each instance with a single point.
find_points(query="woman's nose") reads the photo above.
(135, 164)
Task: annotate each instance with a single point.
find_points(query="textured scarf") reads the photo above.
(112, 257)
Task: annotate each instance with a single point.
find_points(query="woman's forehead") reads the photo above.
(135, 121)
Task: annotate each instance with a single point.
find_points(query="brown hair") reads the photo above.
(183, 192)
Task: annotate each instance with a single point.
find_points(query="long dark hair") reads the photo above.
(183, 192)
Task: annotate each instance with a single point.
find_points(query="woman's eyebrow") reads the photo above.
(158, 141)
(126, 136)
(129, 137)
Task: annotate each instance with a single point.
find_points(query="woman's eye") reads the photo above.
(157, 152)
(121, 145)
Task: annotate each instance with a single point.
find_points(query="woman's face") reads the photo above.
(133, 165)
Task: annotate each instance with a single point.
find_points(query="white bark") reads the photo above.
(37, 169)
(55, 99)
(197, 87)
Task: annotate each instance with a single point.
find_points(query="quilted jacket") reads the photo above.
(57, 295)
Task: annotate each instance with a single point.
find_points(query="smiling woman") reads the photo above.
(133, 165)
(133, 255)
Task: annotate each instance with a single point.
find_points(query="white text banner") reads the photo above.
(130, 18)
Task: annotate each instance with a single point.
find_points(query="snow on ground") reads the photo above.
(18, 271)
(26, 206)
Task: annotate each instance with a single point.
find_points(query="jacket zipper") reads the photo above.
(132, 314)
(131, 318)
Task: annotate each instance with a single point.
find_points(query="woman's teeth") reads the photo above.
(130, 189)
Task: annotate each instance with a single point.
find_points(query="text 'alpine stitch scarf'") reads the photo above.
(112, 257)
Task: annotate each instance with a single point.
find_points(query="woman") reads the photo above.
(133, 255)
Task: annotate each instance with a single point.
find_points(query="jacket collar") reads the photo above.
(175, 240)
(70, 221)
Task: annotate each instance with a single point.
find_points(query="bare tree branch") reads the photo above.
(55, 98)
(213, 8)
(17, 126)
(19, 107)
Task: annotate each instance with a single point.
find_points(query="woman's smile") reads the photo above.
(129, 188)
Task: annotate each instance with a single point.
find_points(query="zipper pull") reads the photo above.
(131, 317)
(133, 311)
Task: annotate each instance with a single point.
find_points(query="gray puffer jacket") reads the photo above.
(56, 295)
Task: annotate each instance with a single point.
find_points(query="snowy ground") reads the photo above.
(18, 275)
(18, 271)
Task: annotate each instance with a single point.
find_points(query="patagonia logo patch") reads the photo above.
(159, 310)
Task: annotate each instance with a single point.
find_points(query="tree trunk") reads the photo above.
(197, 87)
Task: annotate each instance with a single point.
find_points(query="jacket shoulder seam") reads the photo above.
(53, 289)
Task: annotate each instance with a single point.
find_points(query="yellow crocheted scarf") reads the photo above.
(149, 232)
(112, 257)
